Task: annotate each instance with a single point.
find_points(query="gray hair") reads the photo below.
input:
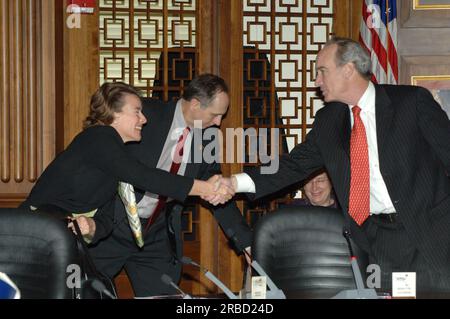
(350, 51)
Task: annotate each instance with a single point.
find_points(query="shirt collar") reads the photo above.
(178, 118)
(367, 101)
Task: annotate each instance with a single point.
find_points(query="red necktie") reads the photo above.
(176, 163)
(359, 201)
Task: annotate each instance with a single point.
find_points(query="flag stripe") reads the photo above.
(378, 35)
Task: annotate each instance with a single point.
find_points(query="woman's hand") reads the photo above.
(87, 226)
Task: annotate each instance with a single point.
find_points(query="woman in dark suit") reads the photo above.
(86, 175)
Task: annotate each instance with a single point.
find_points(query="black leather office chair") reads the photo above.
(304, 252)
(35, 250)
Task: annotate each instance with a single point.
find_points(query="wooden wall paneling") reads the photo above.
(15, 101)
(230, 40)
(4, 95)
(25, 105)
(49, 72)
(356, 12)
(81, 70)
(423, 45)
(342, 26)
(423, 32)
(347, 18)
(31, 69)
(424, 65)
(424, 41)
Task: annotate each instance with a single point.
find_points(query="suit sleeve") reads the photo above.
(104, 219)
(304, 159)
(107, 152)
(228, 215)
(435, 125)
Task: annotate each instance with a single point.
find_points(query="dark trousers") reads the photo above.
(393, 251)
(144, 266)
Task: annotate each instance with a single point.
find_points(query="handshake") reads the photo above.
(218, 189)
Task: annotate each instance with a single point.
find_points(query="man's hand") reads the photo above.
(223, 190)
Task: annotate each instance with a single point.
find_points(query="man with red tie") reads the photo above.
(387, 151)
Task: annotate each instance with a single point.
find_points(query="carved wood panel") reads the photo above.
(26, 95)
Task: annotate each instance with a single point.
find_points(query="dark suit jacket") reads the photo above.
(159, 119)
(86, 175)
(413, 134)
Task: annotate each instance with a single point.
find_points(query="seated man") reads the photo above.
(318, 191)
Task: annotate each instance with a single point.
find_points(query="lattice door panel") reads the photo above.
(151, 44)
(282, 39)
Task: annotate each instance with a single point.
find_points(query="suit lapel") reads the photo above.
(345, 129)
(342, 161)
(159, 123)
(384, 114)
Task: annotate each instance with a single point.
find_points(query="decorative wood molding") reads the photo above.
(12, 200)
(433, 18)
(422, 65)
(437, 5)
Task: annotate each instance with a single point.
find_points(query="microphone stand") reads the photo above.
(360, 292)
(273, 292)
(168, 281)
(210, 276)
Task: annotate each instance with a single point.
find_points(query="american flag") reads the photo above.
(378, 34)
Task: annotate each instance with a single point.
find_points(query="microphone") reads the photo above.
(101, 288)
(168, 281)
(354, 262)
(360, 292)
(274, 292)
(210, 276)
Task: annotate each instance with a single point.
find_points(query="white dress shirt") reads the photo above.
(147, 204)
(380, 201)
